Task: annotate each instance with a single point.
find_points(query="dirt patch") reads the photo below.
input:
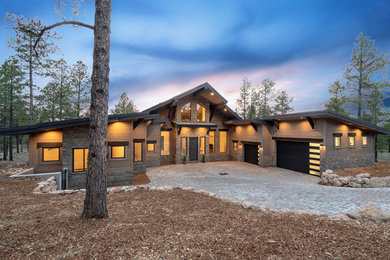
(140, 179)
(381, 169)
(171, 225)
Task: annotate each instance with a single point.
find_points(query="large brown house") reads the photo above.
(198, 125)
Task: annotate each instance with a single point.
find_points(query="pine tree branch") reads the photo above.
(48, 28)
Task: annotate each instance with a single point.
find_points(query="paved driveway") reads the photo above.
(274, 187)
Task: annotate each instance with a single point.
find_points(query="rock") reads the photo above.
(363, 175)
(165, 188)
(114, 189)
(248, 205)
(69, 191)
(375, 214)
(202, 192)
(57, 192)
(339, 218)
(354, 215)
(337, 183)
(377, 182)
(37, 190)
(82, 190)
(128, 188)
(187, 188)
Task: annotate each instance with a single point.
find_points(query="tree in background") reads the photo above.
(81, 83)
(243, 102)
(48, 103)
(254, 99)
(283, 103)
(125, 105)
(338, 99)
(366, 63)
(374, 113)
(266, 96)
(11, 88)
(32, 58)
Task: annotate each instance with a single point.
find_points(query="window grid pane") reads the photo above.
(137, 151)
(202, 145)
(183, 151)
(211, 141)
(118, 151)
(222, 141)
(51, 154)
(186, 112)
(80, 159)
(165, 143)
(151, 147)
(201, 113)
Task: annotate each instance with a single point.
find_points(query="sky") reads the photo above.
(161, 48)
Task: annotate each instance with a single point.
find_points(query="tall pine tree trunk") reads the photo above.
(11, 154)
(11, 90)
(21, 143)
(17, 143)
(31, 84)
(5, 146)
(96, 182)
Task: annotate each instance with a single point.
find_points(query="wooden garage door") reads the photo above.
(251, 153)
(293, 156)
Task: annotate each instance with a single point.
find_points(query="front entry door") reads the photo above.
(193, 149)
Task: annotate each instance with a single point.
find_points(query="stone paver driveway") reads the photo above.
(274, 187)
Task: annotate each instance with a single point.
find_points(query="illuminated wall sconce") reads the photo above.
(225, 109)
(240, 145)
(260, 148)
(322, 147)
(212, 93)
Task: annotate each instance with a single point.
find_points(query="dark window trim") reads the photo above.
(124, 152)
(118, 143)
(334, 143)
(223, 130)
(142, 150)
(49, 145)
(337, 134)
(43, 154)
(352, 134)
(151, 141)
(84, 166)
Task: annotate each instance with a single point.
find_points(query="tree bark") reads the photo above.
(11, 98)
(5, 146)
(21, 143)
(31, 84)
(17, 143)
(96, 182)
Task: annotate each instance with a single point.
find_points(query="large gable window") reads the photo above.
(186, 112)
(200, 113)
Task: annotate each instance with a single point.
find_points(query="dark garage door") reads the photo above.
(251, 154)
(293, 156)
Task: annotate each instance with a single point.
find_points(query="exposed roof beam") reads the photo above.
(311, 122)
(254, 126)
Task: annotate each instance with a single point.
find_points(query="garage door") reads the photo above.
(251, 154)
(293, 156)
(299, 156)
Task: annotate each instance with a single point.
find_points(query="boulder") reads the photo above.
(248, 205)
(114, 189)
(339, 218)
(377, 182)
(375, 214)
(354, 215)
(363, 175)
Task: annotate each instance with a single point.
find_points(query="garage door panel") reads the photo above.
(251, 154)
(293, 156)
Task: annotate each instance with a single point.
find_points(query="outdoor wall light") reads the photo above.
(240, 145)
(212, 94)
(322, 147)
(225, 109)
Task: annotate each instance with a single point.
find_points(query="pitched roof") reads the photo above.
(197, 89)
(69, 123)
(333, 115)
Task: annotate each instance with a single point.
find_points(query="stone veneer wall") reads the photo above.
(345, 156)
(152, 158)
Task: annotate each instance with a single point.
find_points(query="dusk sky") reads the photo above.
(162, 48)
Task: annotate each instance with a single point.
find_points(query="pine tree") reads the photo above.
(243, 102)
(254, 101)
(81, 84)
(283, 102)
(33, 61)
(266, 96)
(337, 99)
(375, 108)
(366, 63)
(125, 105)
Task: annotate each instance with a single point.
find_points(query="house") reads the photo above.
(198, 125)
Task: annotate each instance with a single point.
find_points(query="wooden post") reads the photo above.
(11, 156)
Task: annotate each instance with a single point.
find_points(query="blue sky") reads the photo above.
(160, 48)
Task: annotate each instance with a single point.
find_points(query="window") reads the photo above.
(151, 146)
(51, 154)
(364, 139)
(235, 146)
(183, 150)
(337, 140)
(117, 151)
(202, 148)
(165, 143)
(351, 139)
(186, 112)
(200, 113)
(211, 141)
(80, 159)
(137, 151)
(222, 141)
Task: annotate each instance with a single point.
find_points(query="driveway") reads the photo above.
(274, 187)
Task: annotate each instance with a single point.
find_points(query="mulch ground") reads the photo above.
(140, 179)
(381, 169)
(173, 224)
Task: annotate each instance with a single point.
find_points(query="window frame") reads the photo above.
(197, 112)
(226, 141)
(204, 145)
(337, 135)
(85, 167)
(51, 161)
(212, 143)
(189, 110)
(162, 144)
(181, 146)
(142, 150)
(351, 135)
(124, 152)
(154, 145)
(364, 135)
